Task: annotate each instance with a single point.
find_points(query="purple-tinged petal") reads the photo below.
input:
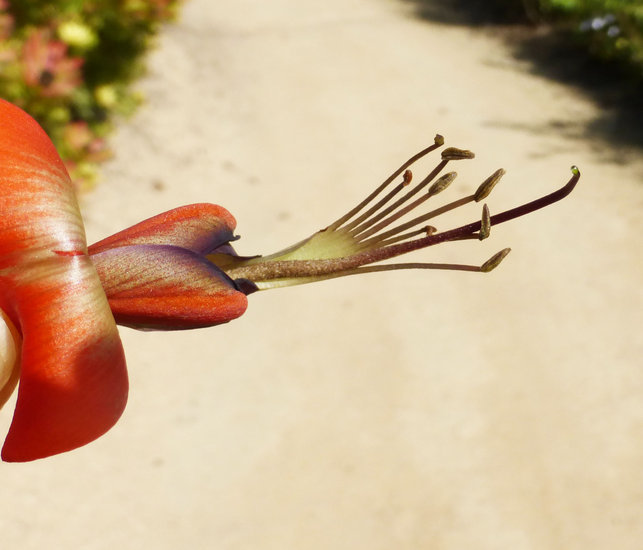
(166, 287)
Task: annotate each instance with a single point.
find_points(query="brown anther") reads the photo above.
(430, 230)
(487, 185)
(438, 139)
(442, 183)
(407, 177)
(494, 261)
(485, 224)
(453, 153)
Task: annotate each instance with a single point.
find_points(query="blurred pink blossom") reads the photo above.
(80, 138)
(47, 67)
(6, 21)
(78, 135)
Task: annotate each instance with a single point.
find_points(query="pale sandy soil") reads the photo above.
(408, 410)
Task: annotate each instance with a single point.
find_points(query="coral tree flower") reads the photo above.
(176, 270)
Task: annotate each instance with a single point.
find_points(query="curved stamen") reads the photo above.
(484, 189)
(372, 219)
(380, 242)
(487, 266)
(438, 141)
(440, 185)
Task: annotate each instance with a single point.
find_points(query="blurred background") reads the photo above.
(401, 410)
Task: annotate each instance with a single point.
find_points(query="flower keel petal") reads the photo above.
(166, 287)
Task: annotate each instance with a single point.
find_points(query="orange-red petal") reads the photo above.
(73, 381)
(197, 227)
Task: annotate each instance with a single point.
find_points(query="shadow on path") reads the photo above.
(551, 54)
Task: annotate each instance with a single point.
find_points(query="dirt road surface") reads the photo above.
(432, 410)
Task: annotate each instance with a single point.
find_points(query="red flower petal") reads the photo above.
(73, 382)
(197, 227)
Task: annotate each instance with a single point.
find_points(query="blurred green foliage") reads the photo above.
(69, 63)
(611, 30)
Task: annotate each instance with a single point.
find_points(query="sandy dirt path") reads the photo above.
(408, 410)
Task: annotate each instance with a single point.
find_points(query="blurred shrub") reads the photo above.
(612, 30)
(69, 63)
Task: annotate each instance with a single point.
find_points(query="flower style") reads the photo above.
(176, 270)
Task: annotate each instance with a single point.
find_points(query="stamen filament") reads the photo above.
(438, 142)
(420, 219)
(444, 181)
(275, 283)
(487, 266)
(350, 227)
(378, 241)
(392, 207)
